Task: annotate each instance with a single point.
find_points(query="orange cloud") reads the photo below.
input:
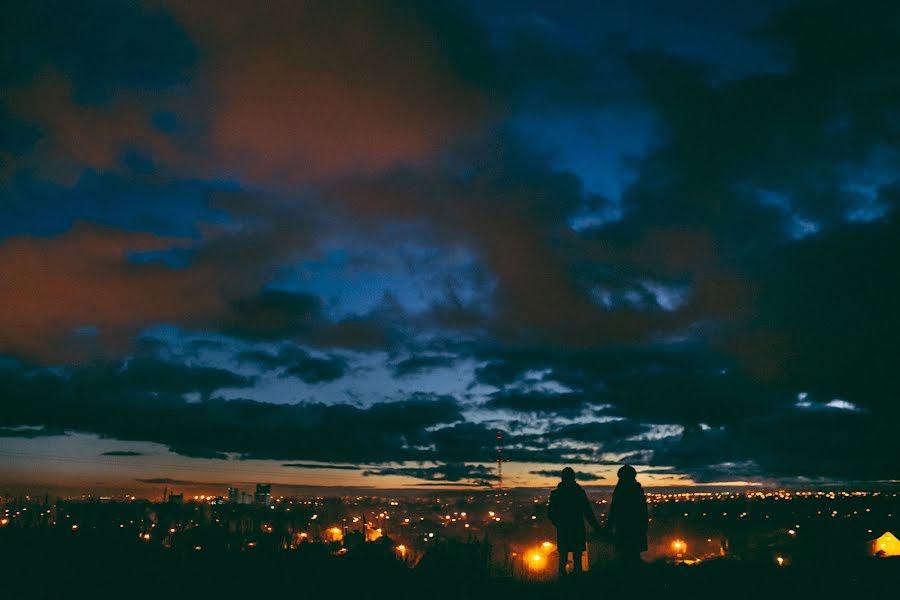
(300, 90)
(84, 279)
(76, 135)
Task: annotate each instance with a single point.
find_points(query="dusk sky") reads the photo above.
(332, 243)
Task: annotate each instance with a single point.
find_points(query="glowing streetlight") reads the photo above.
(679, 546)
(779, 560)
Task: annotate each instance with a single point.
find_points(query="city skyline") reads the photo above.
(382, 246)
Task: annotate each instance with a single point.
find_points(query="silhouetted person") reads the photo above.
(628, 518)
(568, 508)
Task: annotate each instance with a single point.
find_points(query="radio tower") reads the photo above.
(500, 460)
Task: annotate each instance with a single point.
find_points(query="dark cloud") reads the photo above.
(828, 320)
(450, 472)
(600, 432)
(415, 365)
(312, 369)
(122, 453)
(296, 362)
(275, 314)
(184, 165)
(538, 401)
(29, 432)
(315, 466)
(837, 444)
(579, 475)
(198, 452)
(167, 481)
(137, 46)
(109, 401)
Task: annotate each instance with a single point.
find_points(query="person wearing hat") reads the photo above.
(628, 518)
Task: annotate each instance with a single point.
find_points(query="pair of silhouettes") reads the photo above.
(569, 507)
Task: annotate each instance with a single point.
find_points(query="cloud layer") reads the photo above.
(379, 236)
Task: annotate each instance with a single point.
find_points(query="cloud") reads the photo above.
(296, 362)
(295, 100)
(168, 481)
(415, 365)
(84, 279)
(316, 466)
(537, 401)
(223, 154)
(312, 370)
(601, 431)
(111, 401)
(579, 475)
(274, 314)
(122, 453)
(29, 432)
(449, 472)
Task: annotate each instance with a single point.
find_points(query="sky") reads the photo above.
(346, 244)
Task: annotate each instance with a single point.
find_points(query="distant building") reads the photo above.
(263, 494)
(234, 495)
(886, 545)
(176, 498)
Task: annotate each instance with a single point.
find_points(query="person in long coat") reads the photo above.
(628, 517)
(568, 508)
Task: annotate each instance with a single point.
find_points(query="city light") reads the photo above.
(779, 560)
(887, 545)
(679, 546)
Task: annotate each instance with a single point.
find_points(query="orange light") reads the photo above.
(679, 546)
(536, 557)
(779, 560)
(547, 545)
(74, 527)
(4, 521)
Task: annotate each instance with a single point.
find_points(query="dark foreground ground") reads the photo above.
(49, 568)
